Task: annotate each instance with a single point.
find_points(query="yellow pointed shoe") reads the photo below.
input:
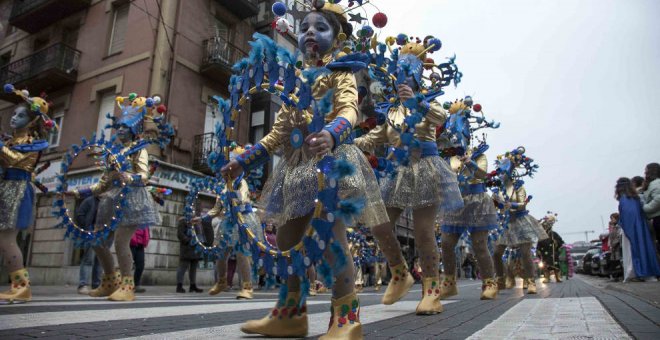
(312, 291)
(558, 277)
(501, 283)
(286, 320)
(531, 286)
(246, 292)
(489, 289)
(126, 291)
(218, 287)
(345, 319)
(399, 284)
(525, 284)
(431, 291)
(20, 287)
(109, 284)
(449, 287)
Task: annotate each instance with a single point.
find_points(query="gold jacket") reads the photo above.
(15, 159)
(344, 105)
(474, 175)
(243, 195)
(139, 166)
(516, 197)
(385, 133)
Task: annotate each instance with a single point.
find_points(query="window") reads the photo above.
(212, 117)
(118, 29)
(5, 59)
(107, 105)
(54, 137)
(257, 126)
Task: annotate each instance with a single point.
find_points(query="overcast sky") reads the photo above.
(577, 82)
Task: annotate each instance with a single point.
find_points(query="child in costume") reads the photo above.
(139, 210)
(521, 230)
(423, 182)
(549, 249)
(479, 215)
(289, 195)
(19, 157)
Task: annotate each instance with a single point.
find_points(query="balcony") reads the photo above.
(241, 8)
(34, 15)
(203, 145)
(219, 56)
(46, 70)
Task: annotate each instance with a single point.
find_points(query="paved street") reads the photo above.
(581, 308)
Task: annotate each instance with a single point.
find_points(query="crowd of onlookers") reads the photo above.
(635, 229)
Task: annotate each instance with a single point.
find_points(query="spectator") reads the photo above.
(139, 241)
(469, 265)
(651, 198)
(188, 258)
(639, 258)
(638, 184)
(86, 217)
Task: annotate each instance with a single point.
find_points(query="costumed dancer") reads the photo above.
(550, 249)
(566, 261)
(289, 195)
(243, 261)
(420, 179)
(380, 265)
(139, 210)
(19, 156)
(479, 216)
(521, 230)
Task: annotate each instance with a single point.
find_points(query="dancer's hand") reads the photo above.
(405, 92)
(196, 220)
(464, 159)
(320, 143)
(232, 169)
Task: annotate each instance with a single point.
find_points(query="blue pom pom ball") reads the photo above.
(279, 9)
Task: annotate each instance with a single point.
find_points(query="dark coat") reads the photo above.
(86, 213)
(186, 251)
(548, 249)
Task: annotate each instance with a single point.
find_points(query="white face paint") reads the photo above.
(316, 34)
(21, 118)
(124, 134)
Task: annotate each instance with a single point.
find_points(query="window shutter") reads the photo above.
(118, 35)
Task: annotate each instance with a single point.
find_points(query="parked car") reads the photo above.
(588, 259)
(577, 261)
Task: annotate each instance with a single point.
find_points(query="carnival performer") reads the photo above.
(522, 230)
(18, 158)
(243, 262)
(290, 193)
(550, 249)
(479, 216)
(139, 210)
(380, 266)
(424, 183)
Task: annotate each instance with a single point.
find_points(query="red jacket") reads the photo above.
(140, 238)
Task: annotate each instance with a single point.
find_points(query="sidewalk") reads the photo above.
(647, 291)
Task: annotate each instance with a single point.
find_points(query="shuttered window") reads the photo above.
(118, 33)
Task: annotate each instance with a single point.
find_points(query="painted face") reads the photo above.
(20, 119)
(124, 134)
(316, 34)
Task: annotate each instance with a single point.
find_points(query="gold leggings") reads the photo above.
(424, 233)
(11, 253)
(479, 246)
(242, 264)
(122, 238)
(527, 262)
(292, 232)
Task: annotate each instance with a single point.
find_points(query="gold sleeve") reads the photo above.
(103, 184)
(482, 167)
(521, 196)
(277, 135)
(345, 96)
(216, 211)
(375, 137)
(141, 165)
(244, 192)
(436, 114)
(9, 157)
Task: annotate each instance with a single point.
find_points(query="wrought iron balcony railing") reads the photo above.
(220, 55)
(55, 65)
(34, 15)
(202, 147)
(241, 8)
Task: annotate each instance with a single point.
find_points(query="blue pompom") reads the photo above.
(149, 102)
(401, 39)
(436, 43)
(279, 9)
(341, 169)
(9, 88)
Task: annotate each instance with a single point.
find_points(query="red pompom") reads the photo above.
(372, 122)
(430, 63)
(49, 124)
(477, 107)
(379, 20)
(373, 161)
(161, 108)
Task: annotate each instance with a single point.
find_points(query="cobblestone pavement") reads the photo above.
(580, 308)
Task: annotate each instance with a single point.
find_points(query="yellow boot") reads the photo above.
(489, 289)
(345, 319)
(286, 320)
(218, 287)
(312, 291)
(109, 284)
(525, 284)
(557, 276)
(246, 292)
(20, 287)
(501, 283)
(510, 282)
(126, 291)
(399, 285)
(431, 291)
(531, 286)
(449, 287)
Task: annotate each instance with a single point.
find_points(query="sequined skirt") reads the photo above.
(251, 221)
(16, 204)
(424, 182)
(523, 229)
(139, 210)
(478, 214)
(292, 188)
